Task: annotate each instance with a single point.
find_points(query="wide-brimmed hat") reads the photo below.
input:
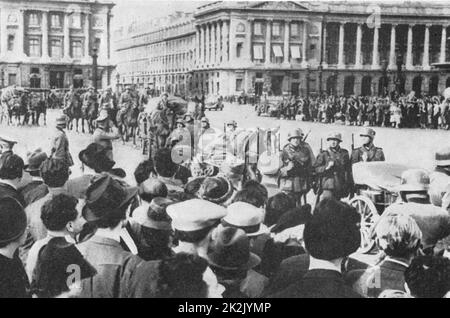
(102, 116)
(333, 231)
(443, 157)
(94, 156)
(195, 214)
(335, 136)
(414, 180)
(156, 216)
(104, 196)
(61, 120)
(154, 187)
(246, 217)
(230, 250)
(13, 220)
(216, 189)
(7, 139)
(35, 159)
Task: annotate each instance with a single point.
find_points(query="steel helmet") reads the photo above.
(295, 133)
(369, 132)
(335, 135)
(414, 180)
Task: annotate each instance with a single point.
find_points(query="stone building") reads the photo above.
(292, 47)
(46, 44)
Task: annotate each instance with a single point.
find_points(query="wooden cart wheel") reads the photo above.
(369, 217)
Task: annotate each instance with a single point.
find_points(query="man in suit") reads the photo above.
(11, 172)
(60, 142)
(398, 236)
(367, 152)
(331, 235)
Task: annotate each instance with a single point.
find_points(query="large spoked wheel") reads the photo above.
(369, 217)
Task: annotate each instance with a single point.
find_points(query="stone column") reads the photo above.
(66, 36)
(20, 35)
(341, 62)
(197, 45)
(358, 63)
(304, 44)
(443, 44)
(208, 44)
(217, 43)
(87, 38)
(426, 48)
(3, 33)
(325, 62)
(103, 53)
(45, 46)
(409, 48)
(375, 55)
(286, 43)
(268, 41)
(249, 40)
(225, 41)
(392, 61)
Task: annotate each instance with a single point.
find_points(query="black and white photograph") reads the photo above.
(241, 150)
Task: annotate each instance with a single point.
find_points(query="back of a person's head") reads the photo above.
(11, 166)
(164, 165)
(256, 186)
(54, 172)
(183, 276)
(250, 196)
(428, 277)
(277, 205)
(58, 211)
(143, 171)
(398, 235)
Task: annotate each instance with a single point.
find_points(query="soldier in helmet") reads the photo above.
(334, 170)
(367, 152)
(298, 159)
(434, 222)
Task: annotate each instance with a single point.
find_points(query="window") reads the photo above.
(258, 52)
(98, 41)
(34, 47)
(76, 21)
(239, 82)
(258, 28)
(10, 42)
(77, 49)
(294, 29)
(295, 51)
(34, 19)
(55, 21)
(55, 48)
(277, 51)
(276, 29)
(12, 79)
(239, 48)
(35, 78)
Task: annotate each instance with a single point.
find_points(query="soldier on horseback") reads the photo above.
(108, 101)
(90, 107)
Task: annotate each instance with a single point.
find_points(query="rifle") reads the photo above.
(318, 178)
(353, 142)
(306, 137)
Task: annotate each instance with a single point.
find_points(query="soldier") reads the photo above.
(231, 137)
(162, 104)
(440, 178)
(298, 158)
(60, 143)
(107, 101)
(102, 134)
(367, 152)
(334, 169)
(68, 98)
(179, 135)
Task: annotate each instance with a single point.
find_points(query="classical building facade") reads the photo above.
(46, 44)
(297, 48)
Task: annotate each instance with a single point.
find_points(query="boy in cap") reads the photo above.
(11, 173)
(59, 148)
(330, 235)
(36, 189)
(13, 224)
(107, 202)
(334, 170)
(367, 152)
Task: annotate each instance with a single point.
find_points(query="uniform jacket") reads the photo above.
(297, 179)
(113, 265)
(60, 147)
(126, 100)
(439, 183)
(318, 283)
(374, 280)
(338, 178)
(373, 154)
(107, 100)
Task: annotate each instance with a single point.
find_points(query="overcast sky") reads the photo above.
(126, 10)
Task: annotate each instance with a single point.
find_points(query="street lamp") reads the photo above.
(308, 69)
(384, 66)
(94, 68)
(399, 63)
(320, 69)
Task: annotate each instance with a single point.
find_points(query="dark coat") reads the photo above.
(60, 147)
(33, 191)
(8, 191)
(373, 154)
(318, 283)
(374, 280)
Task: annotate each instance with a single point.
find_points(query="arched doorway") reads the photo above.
(331, 85)
(383, 86)
(433, 86)
(349, 85)
(417, 86)
(366, 86)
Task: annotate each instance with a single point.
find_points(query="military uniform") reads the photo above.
(440, 178)
(370, 153)
(60, 147)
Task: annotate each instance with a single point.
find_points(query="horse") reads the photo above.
(38, 106)
(18, 107)
(127, 122)
(89, 111)
(74, 112)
